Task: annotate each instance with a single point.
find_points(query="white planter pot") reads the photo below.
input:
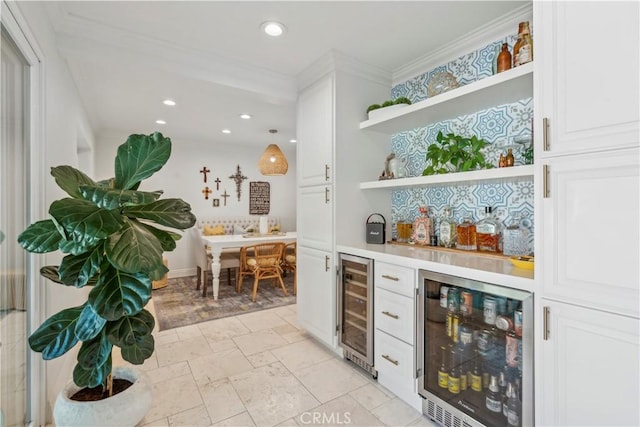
(385, 111)
(123, 409)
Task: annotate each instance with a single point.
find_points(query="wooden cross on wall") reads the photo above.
(206, 191)
(225, 195)
(217, 181)
(205, 171)
(238, 178)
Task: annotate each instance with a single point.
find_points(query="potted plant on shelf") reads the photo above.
(106, 229)
(387, 106)
(454, 153)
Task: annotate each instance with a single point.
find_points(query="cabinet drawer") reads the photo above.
(394, 362)
(395, 278)
(393, 314)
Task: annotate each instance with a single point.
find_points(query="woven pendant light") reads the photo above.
(273, 161)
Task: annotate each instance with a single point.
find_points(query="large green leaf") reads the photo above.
(93, 377)
(56, 335)
(174, 213)
(94, 352)
(40, 237)
(70, 180)
(76, 248)
(120, 294)
(112, 199)
(139, 158)
(85, 222)
(89, 324)
(51, 272)
(133, 335)
(167, 239)
(76, 270)
(134, 249)
(158, 273)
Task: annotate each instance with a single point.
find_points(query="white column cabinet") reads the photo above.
(587, 53)
(315, 222)
(587, 185)
(590, 368)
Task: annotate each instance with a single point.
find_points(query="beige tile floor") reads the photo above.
(262, 369)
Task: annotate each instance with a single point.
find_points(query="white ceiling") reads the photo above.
(211, 58)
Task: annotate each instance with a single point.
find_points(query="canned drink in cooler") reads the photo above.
(444, 290)
(466, 303)
(453, 299)
(490, 310)
(484, 342)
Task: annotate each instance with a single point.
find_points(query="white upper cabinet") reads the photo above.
(315, 217)
(315, 133)
(589, 56)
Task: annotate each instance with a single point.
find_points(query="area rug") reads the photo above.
(180, 304)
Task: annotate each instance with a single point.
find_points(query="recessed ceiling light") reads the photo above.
(272, 28)
(245, 116)
(161, 122)
(169, 102)
(226, 131)
(292, 140)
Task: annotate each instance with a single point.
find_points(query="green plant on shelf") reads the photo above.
(455, 153)
(388, 103)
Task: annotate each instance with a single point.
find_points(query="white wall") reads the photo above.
(65, 126)
(180, 178)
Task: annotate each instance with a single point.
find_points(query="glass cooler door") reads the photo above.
(355, 310)
(477, 349)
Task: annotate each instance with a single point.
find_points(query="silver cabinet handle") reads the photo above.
(386, 357)
(326, 195)
(326, 172)
(545, 181)
(545, 134)
(326, 263)
(386, 276)
(393, 316)
(545, 323)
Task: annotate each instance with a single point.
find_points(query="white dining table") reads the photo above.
(228, 241)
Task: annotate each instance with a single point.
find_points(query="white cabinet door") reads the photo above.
(587, 58)
(315, 133)
(590, 368)
(315, 217)
(316, 298)
(590, 229)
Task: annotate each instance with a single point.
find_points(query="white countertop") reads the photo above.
(470, 265)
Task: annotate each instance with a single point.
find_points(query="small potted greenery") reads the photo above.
(455, 153)
(108, 231)
(387, 105)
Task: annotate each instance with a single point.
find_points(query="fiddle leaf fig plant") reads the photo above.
(454, 153)
(108, 231)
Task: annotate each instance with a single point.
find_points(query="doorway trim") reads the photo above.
(16, 26)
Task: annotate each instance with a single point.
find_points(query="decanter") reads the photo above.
(447, 229)
(422, 228)
(516, 236)
(488, 232)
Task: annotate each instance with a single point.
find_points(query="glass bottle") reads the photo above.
(493, 401)
(447, 229)
(488, 232)
(504, 59)
(466, 232)
(454, 374)
(476, 373)
(509, 159)
(443, 370)
(516, 237)
(514, 407)
(523, 49)
(422, 227)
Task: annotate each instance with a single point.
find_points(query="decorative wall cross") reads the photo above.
(205, 171)
(225, 195)
(217, 181)
(206, 191)
(238, 178)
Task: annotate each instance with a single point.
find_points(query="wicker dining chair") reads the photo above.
(262, 261)
(289, 263)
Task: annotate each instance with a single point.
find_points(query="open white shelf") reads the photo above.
(508, 86)
(480, 176)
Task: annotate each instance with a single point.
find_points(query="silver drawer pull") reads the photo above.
(386, 313)
(395, 362)
(385, 276)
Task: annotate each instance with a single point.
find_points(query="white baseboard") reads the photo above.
(183, 272)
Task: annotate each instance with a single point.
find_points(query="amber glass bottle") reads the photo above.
(504, 59)
(523, 49)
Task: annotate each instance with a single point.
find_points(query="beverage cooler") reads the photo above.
(474, 352)
(355, 310)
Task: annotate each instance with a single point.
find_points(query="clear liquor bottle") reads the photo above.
(516, 236)
(514, 407)
(447, 229)
(489, 232)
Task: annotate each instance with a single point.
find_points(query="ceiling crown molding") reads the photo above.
(482, 36)
(338, 61)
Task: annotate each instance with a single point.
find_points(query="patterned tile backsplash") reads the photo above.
(498, 125)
